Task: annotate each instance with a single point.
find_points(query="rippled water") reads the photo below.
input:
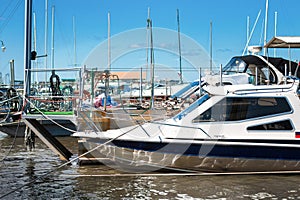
(18, 167)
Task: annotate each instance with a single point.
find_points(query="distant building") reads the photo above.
(131, 76)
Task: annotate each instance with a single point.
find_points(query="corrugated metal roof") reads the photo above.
(284, 42)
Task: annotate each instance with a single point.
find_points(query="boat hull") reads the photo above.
(206, 156)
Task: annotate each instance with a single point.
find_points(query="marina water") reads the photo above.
(19, 167)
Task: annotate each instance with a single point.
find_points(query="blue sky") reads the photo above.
(228, 17)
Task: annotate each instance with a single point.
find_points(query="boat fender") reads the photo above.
(54, 85)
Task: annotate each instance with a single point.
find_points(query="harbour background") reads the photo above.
(19, 167)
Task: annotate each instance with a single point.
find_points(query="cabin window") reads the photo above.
(242, 108)
(263, 73)
(280, 125)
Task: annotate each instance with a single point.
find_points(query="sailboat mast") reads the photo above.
(248, 30)
(151, 63)
(275, 31)
(147, 47)
(46, 37)
(179, 47)
(210, 60)
(34, 45)
(27, 46)
(107, 72)
(108, 42)
(52, 48)
(75, 50)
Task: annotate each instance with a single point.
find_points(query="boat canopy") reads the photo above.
(284, 42)
(242, 64)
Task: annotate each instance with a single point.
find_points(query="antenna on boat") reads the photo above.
(179, 47)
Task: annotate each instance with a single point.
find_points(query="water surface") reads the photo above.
(19, 167)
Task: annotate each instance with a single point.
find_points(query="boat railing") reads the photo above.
(53, 103)
(187, 90)
(55, 93)
(96, 119)
(180, 126)
(270, 88)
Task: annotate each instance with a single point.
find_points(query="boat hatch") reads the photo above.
(192, 107)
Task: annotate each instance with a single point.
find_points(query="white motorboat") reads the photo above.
(230, 128)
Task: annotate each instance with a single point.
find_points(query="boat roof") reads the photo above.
(277, 62)
(284, 42)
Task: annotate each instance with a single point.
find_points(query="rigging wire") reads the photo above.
(6, 8)
(11, 14)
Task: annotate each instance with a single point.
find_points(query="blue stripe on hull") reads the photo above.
(218, 150)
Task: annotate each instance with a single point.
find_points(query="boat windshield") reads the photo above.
(235, 65)
(192, 107)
